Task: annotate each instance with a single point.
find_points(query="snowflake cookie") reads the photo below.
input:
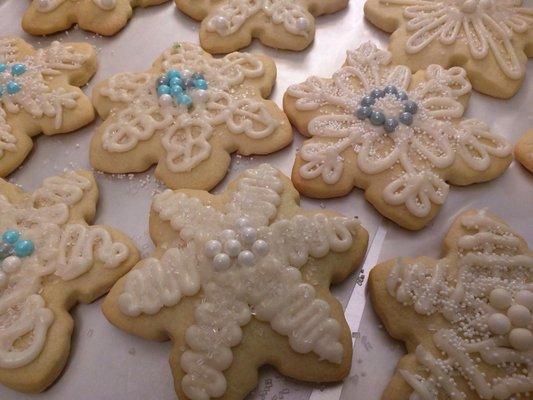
(523, 151)
(466, 318)
(491, 39)
(38, 94)
(187, 114)
(229, 25)
(104, 17)
(396, 135)
(240, 280)
(51, 259)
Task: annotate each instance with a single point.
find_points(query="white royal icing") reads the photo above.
(487, 26)
(432, 142)
(50, 5)
(485, 292)
(231, 16)
(66, 250)
(36, 97)
(239, 258)
(185, 133)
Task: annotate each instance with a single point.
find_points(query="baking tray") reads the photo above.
(108, 364)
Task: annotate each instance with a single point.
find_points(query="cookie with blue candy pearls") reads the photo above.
(523, 151)
(39, 93)
(104, 17)
(187, 114)
(51, 258)
(401, 136)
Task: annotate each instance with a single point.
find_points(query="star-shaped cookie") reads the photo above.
(466, 319)
(399, 136)
(240, 280)
(50, 260)
(39, 93)
(104, 17)
(491, 39)
(187, 114)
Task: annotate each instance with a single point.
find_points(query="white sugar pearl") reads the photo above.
(499, 324)
(221, 262)
(500, 299)
(242, 222)
(11, 264)
(43, 4)
(199, 96)
(302, 24)
(519, 315)
(246, 258)
(521, 339)
(212, 248)
(3, 280)
(108, 4)
(228, 234)
(249, 235)
(219, 22)
(525, 298)
(260, 247)
(186, 74)
(232, 247)
(166, 100)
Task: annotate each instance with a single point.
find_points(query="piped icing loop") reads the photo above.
(181, 87)
(46, 6)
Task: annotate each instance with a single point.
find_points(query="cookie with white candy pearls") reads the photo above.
(104, 17)
(240, 280)
(491, 39)
(51, 258)
(400, 136)
(187, 114)
(466, 318)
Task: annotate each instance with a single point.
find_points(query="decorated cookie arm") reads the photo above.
(524, 151)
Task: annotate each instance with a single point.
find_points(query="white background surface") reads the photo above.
(106, 363)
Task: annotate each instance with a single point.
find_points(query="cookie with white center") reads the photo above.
(229, 25)
(187, 114)
(104, 17)
(50, 260)
(399, 136)
(466, 319)
(240, 280)
(39, 93)
(523, 151)
(491, 39)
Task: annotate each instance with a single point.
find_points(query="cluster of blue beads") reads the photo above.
(12, 243)
(378, 118)
(174, 84)
(12, 87)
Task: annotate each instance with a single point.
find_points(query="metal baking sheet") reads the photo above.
(108, 364)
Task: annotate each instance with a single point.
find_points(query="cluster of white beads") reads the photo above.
(240, 244)
(9, 265)
(513, 317)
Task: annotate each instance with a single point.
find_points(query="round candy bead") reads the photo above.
(410, 106)
(249, 235)
(184, 99)
(18, 69)
(500, 299)
(1, 91)
(390, 124)
(521, 339)
(163, 89)
(390, 89)
(197, 75)
(5, 250)
(519, 316)
(11, 264)
(377, 93)
(199, 96)
(246, 258)
(401, 95)
(242, 222)
(228, 234)
(525, 298)
(260, 247)
(108, 4)
(363, 112)
(173, 73)
(11, 236)
(24, 248)
(200, 84)
(175, 91)
(212, 248)
(367, 101)
(13, 87)
(406, 118)
(175, 82)
(219, 22)
(233, 247)
(221, 262)
(377, 118)
(499, 324)
(162, 80)
(3, 280)
(165, 100)
(3, 67)
(302, 24)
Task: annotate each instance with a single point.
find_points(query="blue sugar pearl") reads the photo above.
(3, 67)
(406, 118)
(367, 101)
(200, 84)
(163, 89)
(1, 91)
(13, 87)
(162, 80)
(377, 118)
(5, 250)
(24, 248)
(197, 76)
(410, 106)
(11, 236)
(185, 100)
(175, 91)
(189, 83)
(377, 93)
(390, 124)
(175, 82)
(363, 112)
(173, 73)
(390, 89)
(401, 95)
(18, 69)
